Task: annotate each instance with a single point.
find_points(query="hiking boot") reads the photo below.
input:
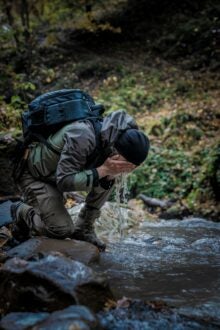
(20, 230)
(84, 228)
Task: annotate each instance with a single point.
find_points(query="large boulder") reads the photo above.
(50, 284)
(76, 250)
(73, 317)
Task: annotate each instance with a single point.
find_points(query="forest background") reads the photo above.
(157, 59)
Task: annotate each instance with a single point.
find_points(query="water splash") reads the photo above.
(121, 198)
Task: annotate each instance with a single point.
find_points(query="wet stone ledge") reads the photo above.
(75, 250)
(50, 284)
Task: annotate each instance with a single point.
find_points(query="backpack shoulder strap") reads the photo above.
(100, 153)
(97, 125)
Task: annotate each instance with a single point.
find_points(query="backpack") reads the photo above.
(51, 111)
(48, 113)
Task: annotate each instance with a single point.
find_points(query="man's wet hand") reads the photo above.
(115, 165)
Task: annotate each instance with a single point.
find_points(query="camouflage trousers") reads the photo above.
(43, 209)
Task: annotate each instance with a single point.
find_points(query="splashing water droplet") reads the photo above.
(121, 194)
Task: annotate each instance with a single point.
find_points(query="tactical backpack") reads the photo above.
(50, 112)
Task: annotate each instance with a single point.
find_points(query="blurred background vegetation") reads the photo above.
(157, 59)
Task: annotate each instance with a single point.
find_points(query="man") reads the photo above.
(76, 167)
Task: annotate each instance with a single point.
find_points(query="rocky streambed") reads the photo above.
(159, 275)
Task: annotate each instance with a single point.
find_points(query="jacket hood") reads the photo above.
(113, 125)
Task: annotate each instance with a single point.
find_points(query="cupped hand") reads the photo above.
(115, 165)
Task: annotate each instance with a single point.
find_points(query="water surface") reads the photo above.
(176, 261)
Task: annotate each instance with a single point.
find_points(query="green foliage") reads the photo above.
(170, 173)
(6, 35)
(207, 185)
(16, 102)
(10, 112)
(166, 172)
(135, 92)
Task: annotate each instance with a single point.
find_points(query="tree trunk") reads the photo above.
(8, 12)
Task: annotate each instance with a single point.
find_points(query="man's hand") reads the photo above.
(115, 165)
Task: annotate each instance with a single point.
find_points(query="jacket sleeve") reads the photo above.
(79, 143)
(98, 196)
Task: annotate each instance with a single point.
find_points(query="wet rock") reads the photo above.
(50, 283)
(138, 315)
(76, 250)
(73, 317)
(21, 321)
(5, 216)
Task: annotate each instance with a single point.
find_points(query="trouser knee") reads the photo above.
(60, 232)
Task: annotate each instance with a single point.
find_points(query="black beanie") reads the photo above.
(133, 145)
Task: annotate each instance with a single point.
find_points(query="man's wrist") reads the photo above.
(101, 172)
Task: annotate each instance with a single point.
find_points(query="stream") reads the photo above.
(174, 261)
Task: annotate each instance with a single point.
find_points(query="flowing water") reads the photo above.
(121, 192)
(176, 261)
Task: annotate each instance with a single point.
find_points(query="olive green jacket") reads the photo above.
(76, 142)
